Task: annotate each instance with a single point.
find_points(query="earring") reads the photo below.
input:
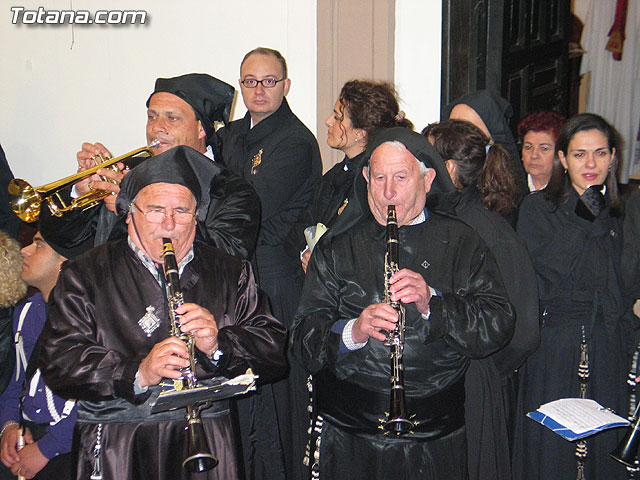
(356, 139)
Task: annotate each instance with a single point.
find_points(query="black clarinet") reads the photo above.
(397, 419)
(627, 450)
(199, 457)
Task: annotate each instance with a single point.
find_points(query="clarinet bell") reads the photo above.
(199, 458)
(627, 451)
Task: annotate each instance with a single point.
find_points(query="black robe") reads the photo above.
(93, 348)
(280, 158)
(471, 319)
(577, 263)
(330, 197)
(490, 383)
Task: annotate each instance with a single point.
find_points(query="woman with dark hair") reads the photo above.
(481, 172)
(538, 132)
(488, 111)
(362, 107)
(574, 236)
(475, 164)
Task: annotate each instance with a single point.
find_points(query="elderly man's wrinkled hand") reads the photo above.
(199, 322)
(374, 322)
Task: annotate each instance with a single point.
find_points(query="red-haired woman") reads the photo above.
(538, 132)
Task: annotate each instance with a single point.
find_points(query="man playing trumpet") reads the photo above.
(182, 111)
(107, 338)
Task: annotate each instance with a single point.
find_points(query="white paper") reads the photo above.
(313, 233)
(579, 414)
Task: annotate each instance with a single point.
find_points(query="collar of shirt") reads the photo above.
(209, 153)
(532, 187)
(421, 218)
(151, 265)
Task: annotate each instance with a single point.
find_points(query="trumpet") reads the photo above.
(25, 200)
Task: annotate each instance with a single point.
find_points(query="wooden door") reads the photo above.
(516, 47)
(535, 68)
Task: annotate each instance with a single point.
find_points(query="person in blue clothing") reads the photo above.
(48, 419)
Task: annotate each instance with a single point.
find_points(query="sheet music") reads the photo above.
(580, 415)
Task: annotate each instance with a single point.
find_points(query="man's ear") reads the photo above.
(201, 132)
(287, 86)
(428, 178)
(365, 173)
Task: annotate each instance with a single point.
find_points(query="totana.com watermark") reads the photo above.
(81, 17)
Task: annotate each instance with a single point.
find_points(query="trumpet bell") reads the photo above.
(24, 200)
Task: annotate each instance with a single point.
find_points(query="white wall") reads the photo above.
(63, 86)
(418, 59)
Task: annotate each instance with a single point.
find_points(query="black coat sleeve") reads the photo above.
(233, 218)
(8, 221)
(254, 339)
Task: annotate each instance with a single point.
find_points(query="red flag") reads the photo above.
(616, 34)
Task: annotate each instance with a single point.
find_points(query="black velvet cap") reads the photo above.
(419, 147)
(209, 97)
(71, 234)
(180, 165)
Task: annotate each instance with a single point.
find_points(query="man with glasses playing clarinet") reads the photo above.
(108, 341)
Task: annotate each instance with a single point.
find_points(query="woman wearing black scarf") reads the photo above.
(490, 113)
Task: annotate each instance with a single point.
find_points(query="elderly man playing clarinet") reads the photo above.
(107, 341)
(454, 306)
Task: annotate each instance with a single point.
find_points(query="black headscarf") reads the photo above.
(209, 97)
(495, 112)
(442, 196)
(180, 165)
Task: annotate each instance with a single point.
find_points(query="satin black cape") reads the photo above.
(471, 319)
(93, 346)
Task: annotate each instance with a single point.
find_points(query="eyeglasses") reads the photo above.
(158, 216)
(268, 82)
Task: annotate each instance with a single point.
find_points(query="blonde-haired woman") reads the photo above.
(12, 289)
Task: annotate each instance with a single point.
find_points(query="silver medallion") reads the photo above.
(149, 322)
